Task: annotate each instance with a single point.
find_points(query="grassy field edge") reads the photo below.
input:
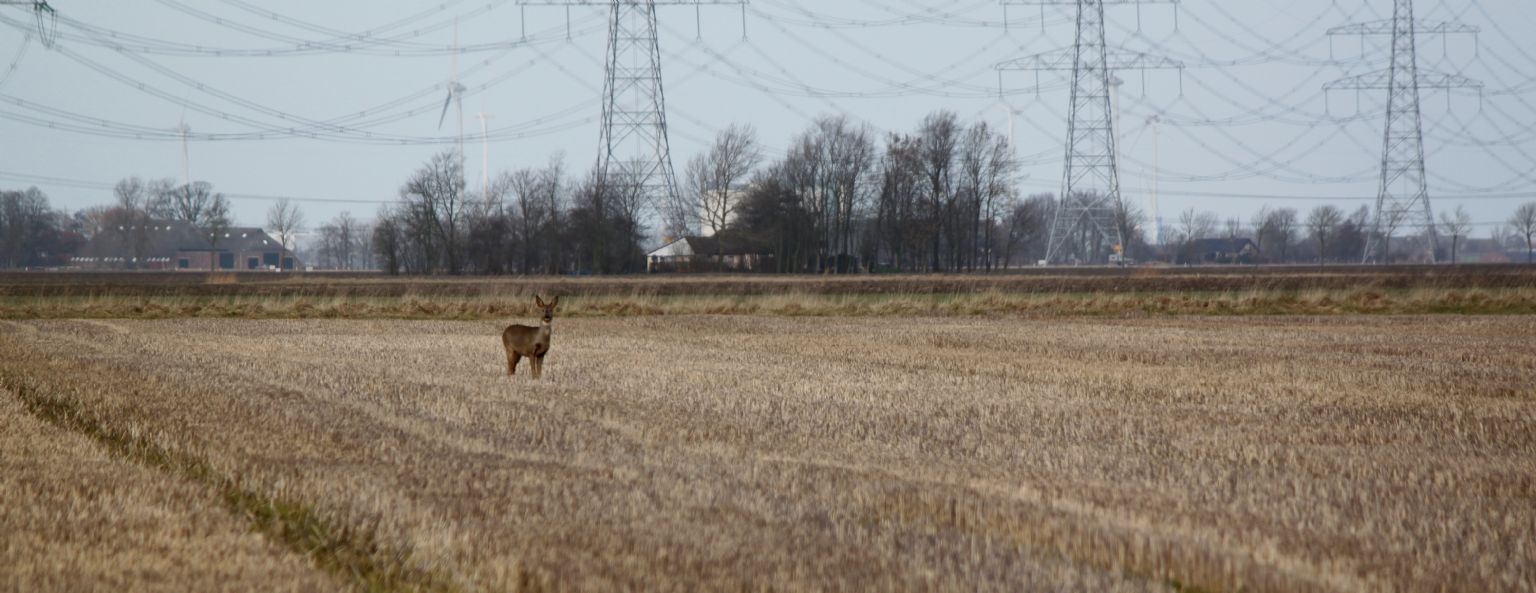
(1363, 301)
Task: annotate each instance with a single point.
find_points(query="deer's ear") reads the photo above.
(540, 300)
(554, 303)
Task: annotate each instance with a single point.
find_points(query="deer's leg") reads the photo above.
(538, 366)
(512, 359)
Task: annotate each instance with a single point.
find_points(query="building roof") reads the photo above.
(166, 238)
(728, 242)
(1225, 245)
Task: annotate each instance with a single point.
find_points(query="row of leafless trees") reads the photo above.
(841, 199)
(1328, 234)
(530, 221)
(31, 233)
(942, 197)
(838, 200)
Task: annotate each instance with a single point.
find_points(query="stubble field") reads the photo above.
(674, 453)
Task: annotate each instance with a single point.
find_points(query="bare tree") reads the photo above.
(1524, 222)
(831, 172)
(1390, 220)
(1322, 223)
(1024, 221)
(25, 222)
(389, 240)
(1234, 227)
(986, 169)
(940, 137)
(213, 222)
(97, 221)
(285, 220)
(1282, 230)
(491, 236)
(1260, 224)
(435, 202)
(604, 226)
(1194, 226)
(159, 198)
(341, 242)
(193, 202)
(526, 187)
(714, 177)
(1128, 219)
(129, 220)
(895, 233)
(344, 231)
(553, 199)
(1457, 224)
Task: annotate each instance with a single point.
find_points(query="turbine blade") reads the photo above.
(444, 116)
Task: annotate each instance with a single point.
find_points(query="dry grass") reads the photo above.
(1478, 290)
(1028, 281)
(841, 454)
(1419, 301)
(75, 517)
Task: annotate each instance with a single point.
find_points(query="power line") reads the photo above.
(362, 44)
(1090, 196)
(1404, 193)
(98, 185)
(301, 127)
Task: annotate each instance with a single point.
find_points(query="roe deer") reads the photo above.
(532, 342)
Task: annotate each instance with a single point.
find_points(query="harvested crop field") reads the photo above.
(1345, 453)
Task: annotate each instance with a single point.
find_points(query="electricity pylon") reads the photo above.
(1403, 195)
(635, 156)
(1090, 196)
(47, 18)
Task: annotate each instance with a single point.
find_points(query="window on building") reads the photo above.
(226, 261)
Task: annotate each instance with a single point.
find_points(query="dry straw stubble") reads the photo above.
(1283, 454)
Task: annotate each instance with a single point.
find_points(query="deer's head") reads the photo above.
(549, 308)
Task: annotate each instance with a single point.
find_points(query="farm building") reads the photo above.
(177, 245)
(736, 253)
(1236, 250)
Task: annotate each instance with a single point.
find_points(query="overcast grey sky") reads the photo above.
(1252, 119)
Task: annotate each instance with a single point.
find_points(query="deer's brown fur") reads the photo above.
(532, 342)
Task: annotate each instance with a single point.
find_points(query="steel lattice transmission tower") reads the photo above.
(1090, 198)
(1403, 197)
(635, 155)
(47, 18)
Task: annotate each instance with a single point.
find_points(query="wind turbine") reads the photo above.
(186, 164)
(1010, 112)
(485, 153)
(1157, 215)
(456, 97)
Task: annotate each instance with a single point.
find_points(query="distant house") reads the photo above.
(177, 245)
(737, 253)
(1236, 250)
